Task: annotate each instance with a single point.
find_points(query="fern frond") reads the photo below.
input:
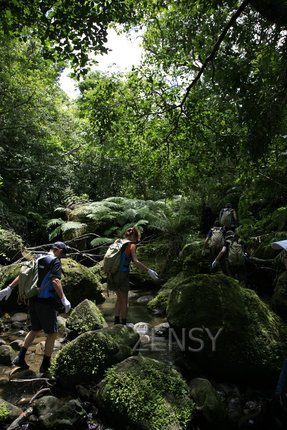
(72, 225)
(54, 221)
(55, 233)
(99, 241)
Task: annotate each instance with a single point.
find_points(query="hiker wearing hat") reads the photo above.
(234, 249)
(228, 217)
(42, 307)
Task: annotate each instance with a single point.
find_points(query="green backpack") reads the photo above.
(226, 218)
(28, 280)
(235, 253)
(216, 240)
(112, 258)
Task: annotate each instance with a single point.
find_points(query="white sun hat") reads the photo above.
(282, 244)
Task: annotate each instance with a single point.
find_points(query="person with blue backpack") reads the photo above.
(119, 281)
(42, 307)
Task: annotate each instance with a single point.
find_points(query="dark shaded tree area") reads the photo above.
(203, 117)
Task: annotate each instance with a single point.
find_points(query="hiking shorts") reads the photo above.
(119, 281)
(43, 316)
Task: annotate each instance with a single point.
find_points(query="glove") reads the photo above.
(203, 252)
(214, 263)
(66, 304)
(152, 274)
(5, 293)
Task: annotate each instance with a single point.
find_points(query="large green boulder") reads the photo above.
(229, 329)
(79, 283)
(146, 394)
(85, 317)
(85, 359)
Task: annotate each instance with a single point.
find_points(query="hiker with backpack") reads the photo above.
(215, 241)
(228, 217)
(235, 250)
(119, 280)
(42, 307)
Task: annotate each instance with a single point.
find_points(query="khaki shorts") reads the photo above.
(119, 281)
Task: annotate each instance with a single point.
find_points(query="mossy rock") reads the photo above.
(49, 412)
(85, 359)
(8, 412)
(80, 283)
(208, 402)
(251, 340)
(146, 394)
(279, 298)
(159, 302)
(11, 246)
(86, 316)
(193, 261)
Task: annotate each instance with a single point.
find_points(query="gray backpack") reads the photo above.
(28, 280)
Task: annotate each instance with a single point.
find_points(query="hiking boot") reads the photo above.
(20, 362)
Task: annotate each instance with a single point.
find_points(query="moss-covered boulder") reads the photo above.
(85, 317)
(228, 328)
(208, 402)
(279, 298)
(192, 260)
(159, 303)
(8, 412)
(49, 412)
(84, 359)
(11, 246)
(142, 393)
(80, 283)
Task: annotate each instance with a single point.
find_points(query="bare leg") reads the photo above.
(124, 304)
(49, 345)
(121, 306)
(29, 338)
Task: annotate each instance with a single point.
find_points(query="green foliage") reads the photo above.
(142, 392)
(67, 31)
(4, 412)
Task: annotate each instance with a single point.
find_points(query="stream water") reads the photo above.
(159, 348)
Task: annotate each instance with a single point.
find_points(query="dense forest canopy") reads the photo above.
(204, 116)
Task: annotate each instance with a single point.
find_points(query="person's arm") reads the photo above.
(136, 260)
(57, 284)
(235, 215)
(220, 254)
(141, 266)
(5, 292)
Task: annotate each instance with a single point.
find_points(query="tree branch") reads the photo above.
(209, 59)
